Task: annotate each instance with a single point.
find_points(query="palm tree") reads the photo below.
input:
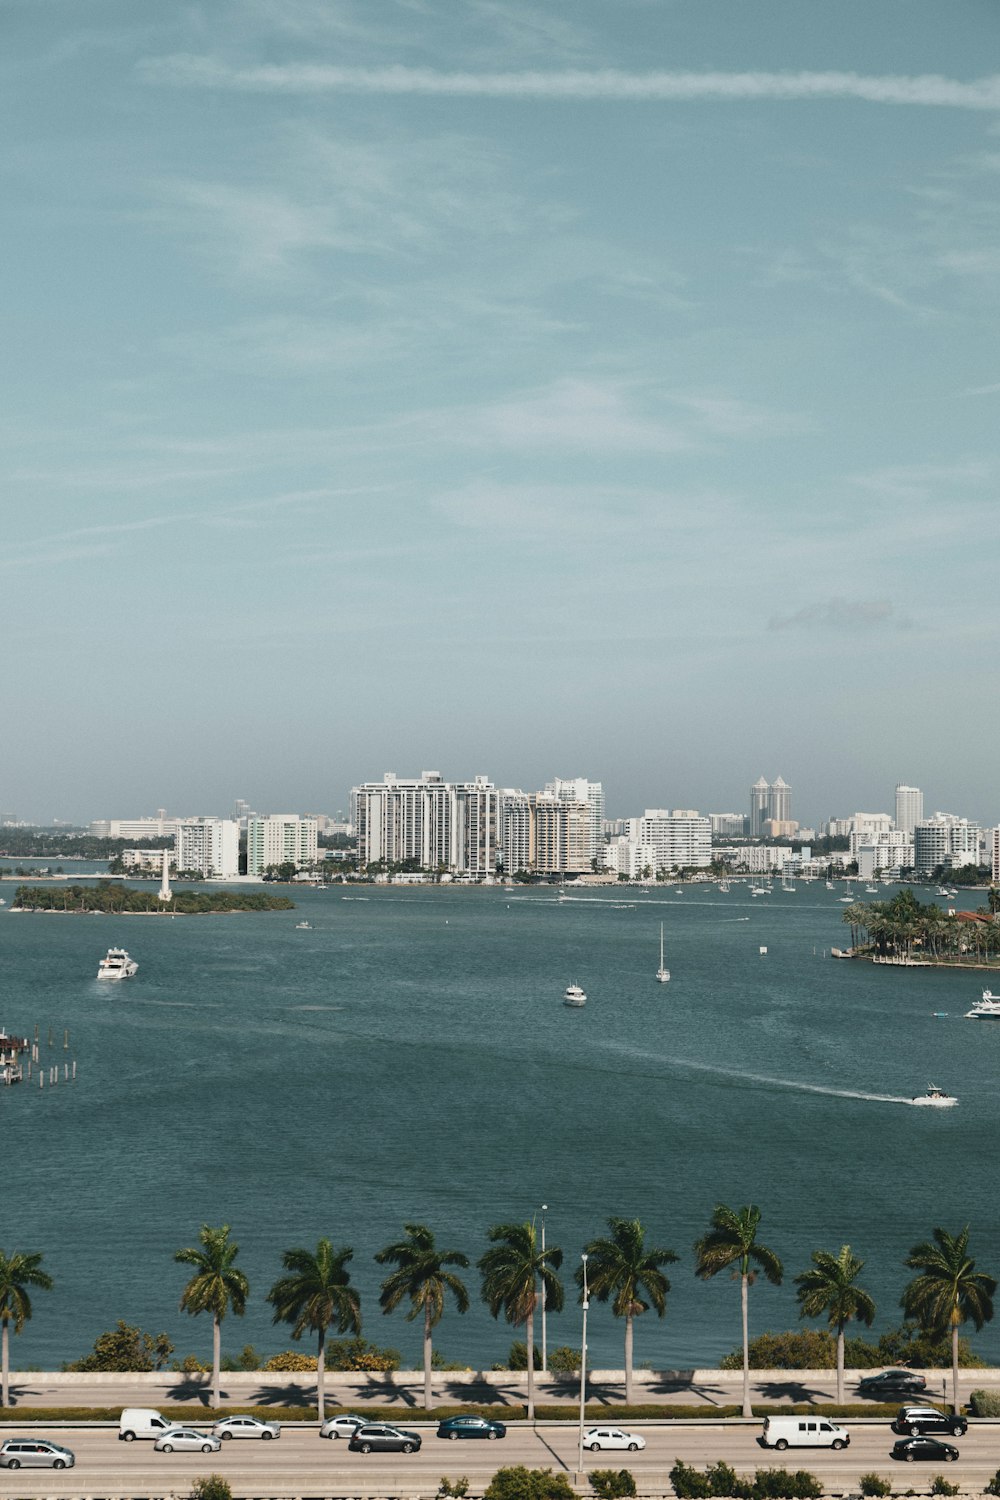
(315, 1295)
(511, 1272)
(421, 1276)
(215, 1286)
(732, 1241)
(18, 1272)
(948, 1290)
(828, 1289)
(625, 1267)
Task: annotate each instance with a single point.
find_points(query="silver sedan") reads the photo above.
(186, 1440)
(245, 1427)
(343, 1426)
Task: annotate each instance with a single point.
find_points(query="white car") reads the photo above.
(187, 1440)
(246, 1427)
(596, 1438)
(343, 1426)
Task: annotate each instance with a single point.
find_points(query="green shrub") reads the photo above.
(985, 1403)
(688, 1483)
(816, 1349)
(126, 1348)
(942, 1486)
(519, 1483)
(612, 1484)
(358, 1354)
(517, 1359)
(720, 1479)
(291, 1361)
(439, 1362)
(724, 1480)
(213, 1487)
(190, 1365)
(873, 1485)
(993, 1487)
(779, 1484)
(563, 1360)
(453, 1488)
(800, 1349)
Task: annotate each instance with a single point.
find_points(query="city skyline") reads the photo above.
(379, 379)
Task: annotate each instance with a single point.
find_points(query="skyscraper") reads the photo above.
(779, 801)
(909, 807)
(758, 807)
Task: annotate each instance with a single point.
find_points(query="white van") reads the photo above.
(803, 1432)
(142, 1422)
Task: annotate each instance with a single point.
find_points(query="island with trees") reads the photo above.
(907, 931)
(113, 897)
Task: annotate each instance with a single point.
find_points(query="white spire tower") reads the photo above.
(166, 894)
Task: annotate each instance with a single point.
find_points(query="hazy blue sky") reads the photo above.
(573, 387)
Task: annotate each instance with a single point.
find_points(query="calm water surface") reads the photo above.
(410, 1058)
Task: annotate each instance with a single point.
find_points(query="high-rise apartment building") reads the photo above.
(278, 839)
(909, 807)
(680, 838)
(579, 789)
(945, 840)
(728, 825)
(209, 845)
(995, 852)
(436, 824)
(563, 835)
(769, 803)
(758, 807)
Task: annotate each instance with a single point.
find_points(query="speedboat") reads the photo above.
(986, 1009)
(935, 1097)
(573, 995)
(303, 926)
(116, 965)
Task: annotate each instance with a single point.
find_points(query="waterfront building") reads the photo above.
(582, 790)
(888, 849)
(625, 857)
(515, 831)
(681, 838)
(995, 855)
(761, 859)
(436, 824)
(945, 840)
(563, 835)
(909, 807)
(142, 861)
(137, 829)
(278, 839)
(209, 845)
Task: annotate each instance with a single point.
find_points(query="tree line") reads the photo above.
(112, 897)
(518, 1276)
(894, 929)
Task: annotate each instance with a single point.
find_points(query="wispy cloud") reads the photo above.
(842, 615)
(928, 89)
(913, 482)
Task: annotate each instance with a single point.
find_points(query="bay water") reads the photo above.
(409, 1058)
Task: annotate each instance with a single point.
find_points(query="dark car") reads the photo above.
(921, 1419)
(913, 1448)
(470, 1427)
(375, 1437)
(892, 1383)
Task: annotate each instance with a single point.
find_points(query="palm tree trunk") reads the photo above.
(628, 1359)
(954, 1367)
(529, 1339)
(744, 1284)
(428, 1393)
(840, 1364)
(5, 1361)
(216, 1357)
(321, 1373)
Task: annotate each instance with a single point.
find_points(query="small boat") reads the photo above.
(116, 965)
(763, 950)
(662, 973)
(303, 927)
(574, 996)
(935, 1097)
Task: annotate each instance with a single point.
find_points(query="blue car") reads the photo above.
(470, 1427)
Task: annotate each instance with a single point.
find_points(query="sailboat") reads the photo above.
(662, 973)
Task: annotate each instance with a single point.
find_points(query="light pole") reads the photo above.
(583, 1370)
(545, 1352)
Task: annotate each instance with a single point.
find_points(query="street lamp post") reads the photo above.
(545, 1352)
(583, 1371)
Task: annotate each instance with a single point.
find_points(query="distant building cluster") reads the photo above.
(210, 847)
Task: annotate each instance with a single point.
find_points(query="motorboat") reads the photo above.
(303, 927)
(662, 973)
(574, 996)
(986, 1009)
(936, 1098)
(116, 964)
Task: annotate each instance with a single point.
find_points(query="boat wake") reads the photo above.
(793, 1084)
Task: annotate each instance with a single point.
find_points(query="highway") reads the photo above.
(300, 1463)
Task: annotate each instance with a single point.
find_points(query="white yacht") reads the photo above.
(662, 973)
(573, 995)
(304, 926)
(116, 965)
(986, 1009)
(935, 1097)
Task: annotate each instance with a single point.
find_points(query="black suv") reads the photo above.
(892, 1383)
(921, 1419)
(374, 1437)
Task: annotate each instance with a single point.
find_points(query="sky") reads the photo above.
(600, 388)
